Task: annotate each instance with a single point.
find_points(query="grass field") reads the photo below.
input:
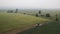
(10, 21)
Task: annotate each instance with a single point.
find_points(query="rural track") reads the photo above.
(20, 30)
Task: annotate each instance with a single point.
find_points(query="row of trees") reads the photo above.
(11, 11)
(37, 15)
(46, 15)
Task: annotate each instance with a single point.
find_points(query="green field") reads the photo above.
(50, 28)
(11, 21)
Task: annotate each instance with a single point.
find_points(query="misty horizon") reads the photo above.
(30, 4)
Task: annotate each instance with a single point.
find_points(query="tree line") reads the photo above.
(46, 15)
(37, 14)
(11, 11)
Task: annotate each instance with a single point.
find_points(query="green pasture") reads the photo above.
(11, 21)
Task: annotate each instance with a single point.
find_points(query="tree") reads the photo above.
(56, 18)
(24, 13)
(16, 11)
(36, 15)
(39, 11)
(47, 15)
(11, 11)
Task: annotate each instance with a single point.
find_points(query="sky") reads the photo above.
(30, 4)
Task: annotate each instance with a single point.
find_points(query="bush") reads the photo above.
(47, 15)
(36, 15)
